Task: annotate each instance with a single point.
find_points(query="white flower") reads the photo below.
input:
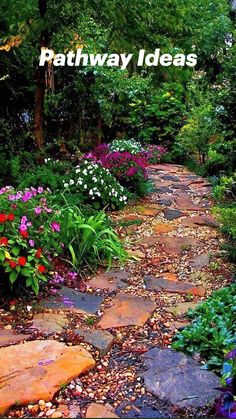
(77, 171)
(85, 172)
(66, 185)
(71, 182)
(91, 192)
(85, 186)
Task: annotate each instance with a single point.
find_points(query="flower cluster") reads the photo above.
(132, 146)
(97, 185)
(153, 153)
(18, 259)
(225, 405)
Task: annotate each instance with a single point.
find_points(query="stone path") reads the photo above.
(119, 325)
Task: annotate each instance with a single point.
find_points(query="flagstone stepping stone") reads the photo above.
(36, 370)
(185, 203)
(96, 410)
(181, 186)
(70, 299)
(203, 220)
(9, 337)
(172, 214)
(161, 284)
(148, 241)
(175, 245)
(178, 379)
(149, 211)
(127, 310)
(162, 189)
(200, 261)
(49, 323)
(136, 254)
(182, 308)
(165, 202)
(110, 280)
(171, 178)
(100, 339)
(163, 228)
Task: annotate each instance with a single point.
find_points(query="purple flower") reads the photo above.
(231, 354)
(55, 227)
(131, 171)
(31, 243)
(40, 189)
(24, 219)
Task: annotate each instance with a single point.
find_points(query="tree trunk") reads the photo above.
(40, 84)
(38, 111)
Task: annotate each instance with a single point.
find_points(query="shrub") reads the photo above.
(123, 145)
(129, 169)
(96, 185)
(213, 330)
(153, 153)
(227, 216)
(226, 188)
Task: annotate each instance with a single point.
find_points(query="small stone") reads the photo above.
(41, 403)
(171, 214)
(8, 327)
(96, 410)
(50, 412)
(48, 404)
(57, 415)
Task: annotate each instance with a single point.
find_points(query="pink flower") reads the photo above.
(55, 227)
(27, 196)
(40, 189)
(37, 210)
(31, 243)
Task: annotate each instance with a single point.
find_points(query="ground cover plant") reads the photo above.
(212, 331)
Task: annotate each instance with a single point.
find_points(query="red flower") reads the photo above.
(41, 269)
(38, 253)
(22, 261)
(3, 218)
(4, 241)
(12, 264)
(24, 234)
(11, 217)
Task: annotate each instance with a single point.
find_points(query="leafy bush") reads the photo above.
(96, 185)
(226, 188)
(213, 330)
(153, 153)
(89, 240)
(227, 216)
(48, 174)
(122, 145)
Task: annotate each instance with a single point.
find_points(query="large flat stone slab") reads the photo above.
(9, 337)
(175, 245)
(182, 308)
(36, 370)
(96, 410)
(49, 323)
(172, 214)
(203, 220)
(178, 379)
(161, 284)
(100, 339)
(164, 228)
(148, 211)
(184, 203)
(110, 280)
(69, 299)
(200, 261)
(127, 310)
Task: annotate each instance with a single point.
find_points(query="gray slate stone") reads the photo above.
(70, 299)
(178, 379)
(171, 214)
(162, 189)
(165, 202)
(100, 339)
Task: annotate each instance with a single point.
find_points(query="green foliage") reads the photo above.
(212, 332)
(131, 146)
(89, 240)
